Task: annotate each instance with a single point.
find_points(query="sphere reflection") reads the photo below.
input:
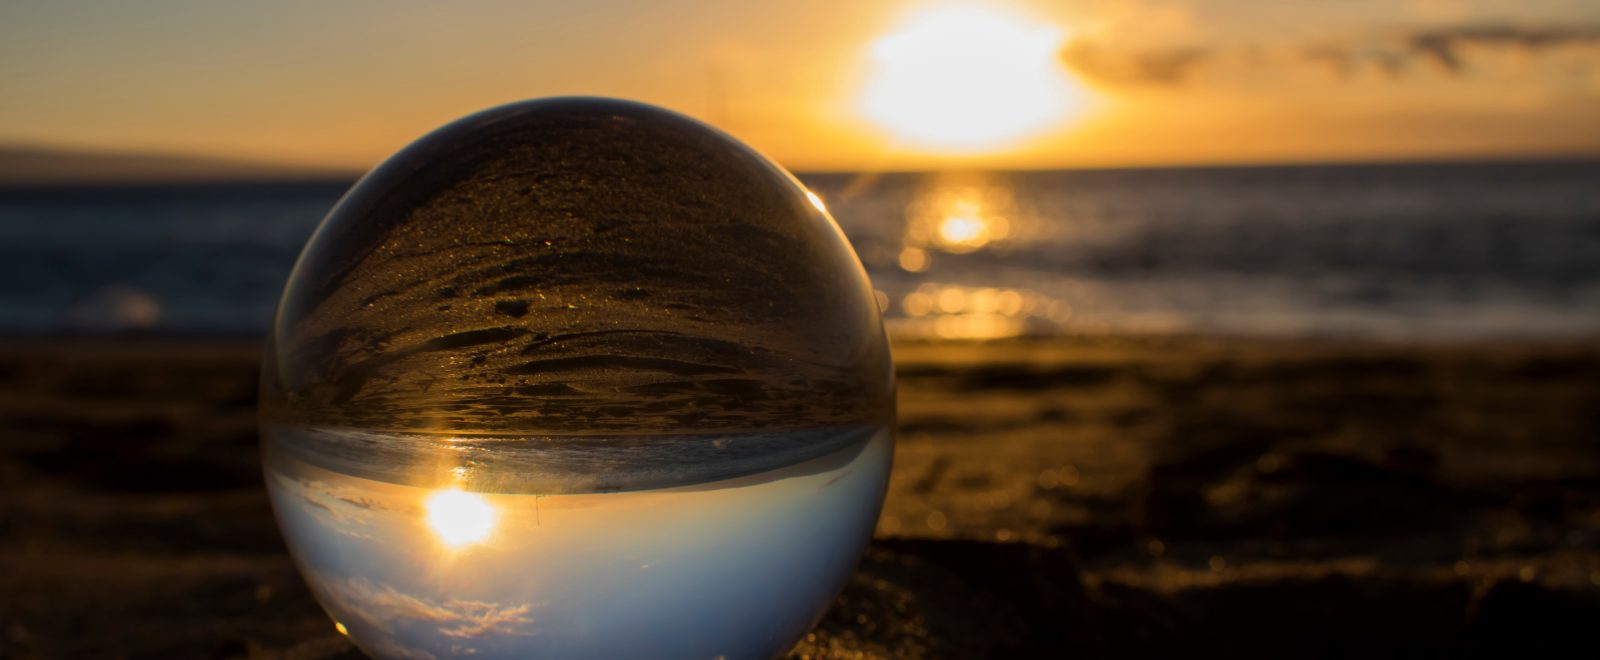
(577, 378)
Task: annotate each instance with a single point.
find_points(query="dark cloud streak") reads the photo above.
(1444, 46)
(1156, 66)
(1393, 54)
(1347, 62)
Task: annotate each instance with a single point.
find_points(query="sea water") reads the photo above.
(1465, 251)
(737, 562)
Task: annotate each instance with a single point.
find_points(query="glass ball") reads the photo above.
(577, 378)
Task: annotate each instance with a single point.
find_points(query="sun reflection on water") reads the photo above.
(956, 312)
(959, 218)
(947, 219)
(962, 231)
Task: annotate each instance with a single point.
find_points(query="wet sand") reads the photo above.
(1097, 498)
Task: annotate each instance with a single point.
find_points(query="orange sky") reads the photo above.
(1147, 82)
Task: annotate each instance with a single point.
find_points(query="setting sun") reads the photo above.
(459, 517)
(969, 78)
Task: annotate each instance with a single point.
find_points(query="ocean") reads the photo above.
(1392, 251)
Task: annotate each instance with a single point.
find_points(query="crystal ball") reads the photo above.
(577, 377)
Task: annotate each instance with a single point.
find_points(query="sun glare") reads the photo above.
(963, 230)
(459, 517)
(969, 78)
(816, 201)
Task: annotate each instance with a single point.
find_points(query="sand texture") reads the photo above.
(531, 268)
(1070, 498)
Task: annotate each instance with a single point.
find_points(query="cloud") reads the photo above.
(1444, 46)
(342, 509)
(461, 619)
(375, 611)
(1393, 54)
(1167, 66)
(1347, 61)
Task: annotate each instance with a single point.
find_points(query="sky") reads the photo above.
(825, 84)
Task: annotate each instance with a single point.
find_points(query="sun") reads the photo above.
(969, 79)
(459, 518)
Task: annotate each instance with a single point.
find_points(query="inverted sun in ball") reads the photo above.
(577, 378)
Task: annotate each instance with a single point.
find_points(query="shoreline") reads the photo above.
(916, 345)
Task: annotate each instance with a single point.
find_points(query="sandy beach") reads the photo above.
(1085, 497)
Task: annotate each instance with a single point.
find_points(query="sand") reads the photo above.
(1097, 498)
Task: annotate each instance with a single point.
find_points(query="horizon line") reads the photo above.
(280, 172)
